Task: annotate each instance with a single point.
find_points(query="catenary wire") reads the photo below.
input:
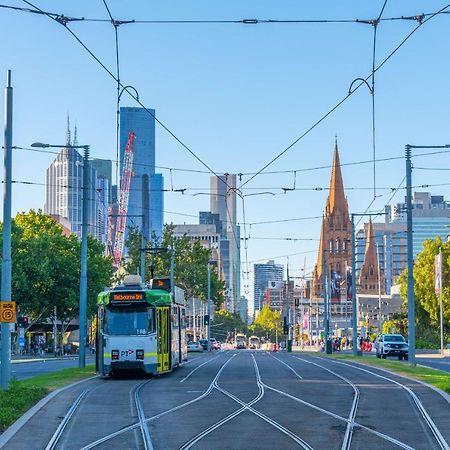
(349, 94)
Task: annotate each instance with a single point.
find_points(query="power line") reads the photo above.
(349, 94)
(125, 88)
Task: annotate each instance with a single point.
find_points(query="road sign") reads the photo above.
(8, 312)
(21, 341)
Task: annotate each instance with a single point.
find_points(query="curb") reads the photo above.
(22, 420)
(31, 360)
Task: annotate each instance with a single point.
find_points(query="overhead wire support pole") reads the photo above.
(354, 305)
(6, 261)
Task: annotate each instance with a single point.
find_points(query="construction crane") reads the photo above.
(124, 195)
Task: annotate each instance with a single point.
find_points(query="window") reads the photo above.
(338, 245)
(129, 320)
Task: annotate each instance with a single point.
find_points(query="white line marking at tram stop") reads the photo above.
(194, 392)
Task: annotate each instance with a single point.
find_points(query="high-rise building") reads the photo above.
(223, 208)
(103, 168)
(242, 309)
(264, 275)
(145, 201)
(64, 189)
(431, 217)
(335, 235)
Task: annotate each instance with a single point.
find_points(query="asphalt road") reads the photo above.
(23, 370)
(435, 363)
(245, 400)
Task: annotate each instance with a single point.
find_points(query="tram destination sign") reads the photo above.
(125, 297)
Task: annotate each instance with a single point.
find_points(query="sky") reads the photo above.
(237, 95)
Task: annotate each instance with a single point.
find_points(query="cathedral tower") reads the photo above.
(335, 238)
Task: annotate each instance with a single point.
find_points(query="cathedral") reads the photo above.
(335, 241)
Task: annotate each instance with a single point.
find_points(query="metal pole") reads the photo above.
(172, 268)
(411, 306)
(6, 262)
(208, 311)
(441, 314)
(380, 322)
(143, 256)
(354, 309)
(84, 251)
(55, 331)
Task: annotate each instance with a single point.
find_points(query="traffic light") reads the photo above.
(22, 322)
(285, 326)
(206, 320)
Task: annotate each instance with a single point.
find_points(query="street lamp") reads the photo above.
(84, 249)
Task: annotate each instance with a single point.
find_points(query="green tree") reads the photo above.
(46, 269)
(268, 322)
(190, 263)
(426, 301)
(225, 324)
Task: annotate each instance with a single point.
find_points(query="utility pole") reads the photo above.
(6, 262)
(441, 314)
(84, 251)
(208, 311)
(380, 320)
(55, 332)
(411, 306)
(354, 308)
(288, 313)
(145, 234)
(326, 323)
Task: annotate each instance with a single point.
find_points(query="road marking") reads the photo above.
(198, 367)
(288, 366)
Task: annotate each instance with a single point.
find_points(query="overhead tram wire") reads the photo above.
(349, 94)
(247, 270)
(249, 21)
(126, 88)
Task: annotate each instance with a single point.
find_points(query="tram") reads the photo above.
(141, 327)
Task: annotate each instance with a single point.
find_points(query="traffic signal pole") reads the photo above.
(6, 262)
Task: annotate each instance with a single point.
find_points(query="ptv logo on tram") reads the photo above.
(125, 353)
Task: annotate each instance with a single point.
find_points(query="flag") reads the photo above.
(438, 273)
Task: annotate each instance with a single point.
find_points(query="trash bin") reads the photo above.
(329, 347)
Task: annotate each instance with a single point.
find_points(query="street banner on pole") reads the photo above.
(438, 273)
(349, 282)
(335, 287)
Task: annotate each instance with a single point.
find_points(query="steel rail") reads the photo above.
(148, 445)
(429, 421)
(157, 416)
(352, 415)
(66, 419)
(198, 367)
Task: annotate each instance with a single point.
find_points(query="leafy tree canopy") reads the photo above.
(46, 268)
(267, 323)
(226, 324)
(190, 263)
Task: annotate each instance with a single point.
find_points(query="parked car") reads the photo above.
(194, 346)
(204, 343)
(391, 345)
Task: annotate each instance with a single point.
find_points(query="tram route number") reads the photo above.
(7, 312)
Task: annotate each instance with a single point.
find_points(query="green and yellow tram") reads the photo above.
(141, 327)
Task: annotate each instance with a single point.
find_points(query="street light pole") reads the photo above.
(84, 250)
(208, 311)
(6, 262)
(354, 306)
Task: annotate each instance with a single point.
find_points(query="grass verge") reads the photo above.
(435, 377)
(22, 395)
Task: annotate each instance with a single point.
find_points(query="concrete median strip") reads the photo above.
(19, 423)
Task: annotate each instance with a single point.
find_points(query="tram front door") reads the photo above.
(164, 329)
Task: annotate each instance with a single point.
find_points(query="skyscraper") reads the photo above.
(64, 188)
(103, 168)
(146, 201)
(223, 206)
(265, 274)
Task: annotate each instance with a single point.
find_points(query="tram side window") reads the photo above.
(129, 321)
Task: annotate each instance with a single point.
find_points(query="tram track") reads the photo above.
(145, 432)
(421, 409)
(146, 420)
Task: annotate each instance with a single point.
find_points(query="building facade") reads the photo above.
(335, 240)
(264, 275)
(145, 201)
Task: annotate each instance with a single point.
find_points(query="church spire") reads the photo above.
(336, 198)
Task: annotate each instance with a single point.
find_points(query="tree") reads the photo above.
(268, 322)
(46, 269)
(190, 263)
(426, 301)
(225, 324)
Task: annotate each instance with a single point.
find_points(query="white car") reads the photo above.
(194, 346)
(391, 345)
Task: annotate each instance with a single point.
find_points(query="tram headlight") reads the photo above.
(139, 354)
(115, 354)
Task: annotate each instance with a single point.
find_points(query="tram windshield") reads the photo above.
(129, 321)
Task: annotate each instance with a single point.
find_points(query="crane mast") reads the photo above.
(122, 210)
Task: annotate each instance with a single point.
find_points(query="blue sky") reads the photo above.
(237, 95)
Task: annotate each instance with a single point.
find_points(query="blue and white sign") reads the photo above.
(21, 341)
